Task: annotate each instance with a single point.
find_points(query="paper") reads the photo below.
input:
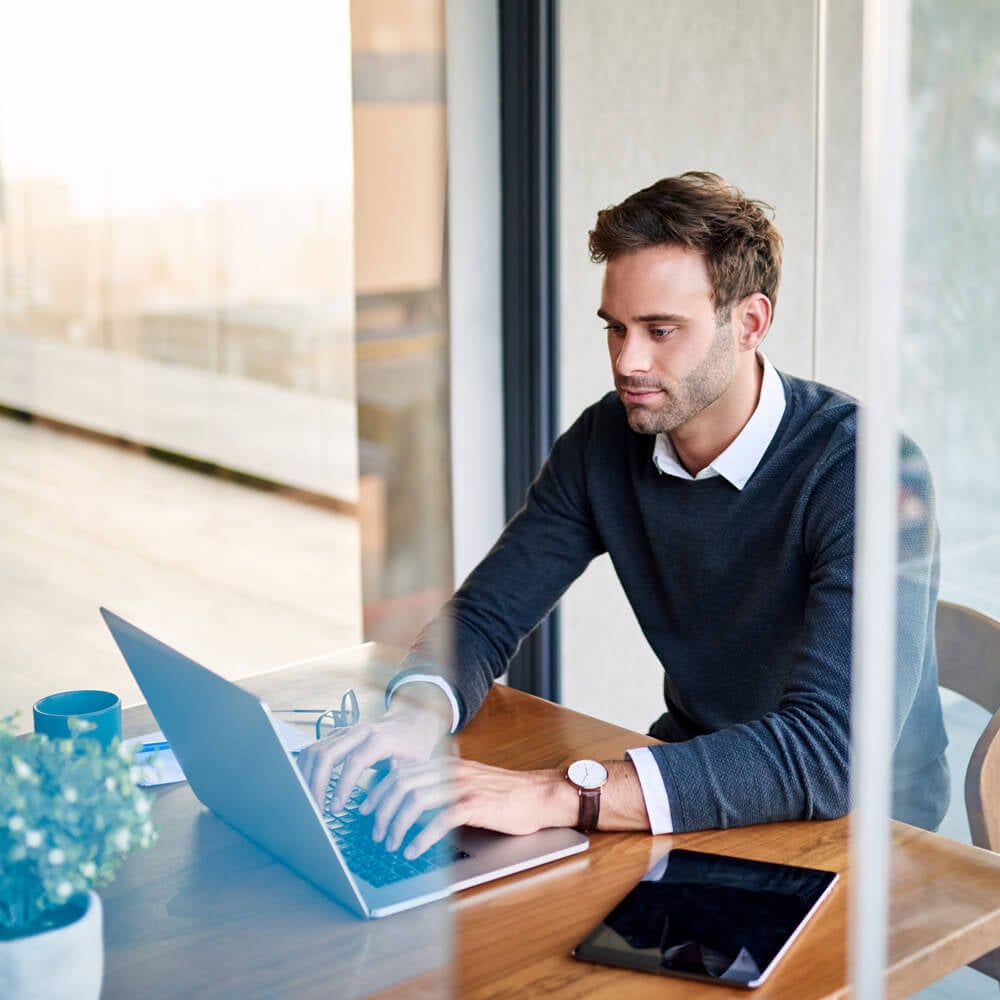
(160, 767)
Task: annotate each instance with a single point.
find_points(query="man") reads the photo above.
(723, 492)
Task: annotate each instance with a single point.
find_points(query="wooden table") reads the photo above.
(205, 913)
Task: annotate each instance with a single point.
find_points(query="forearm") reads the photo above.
(790, 765)
(544, 547)
(622, 804)
(459, 792)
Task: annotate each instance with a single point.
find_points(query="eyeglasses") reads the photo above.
(332, 718)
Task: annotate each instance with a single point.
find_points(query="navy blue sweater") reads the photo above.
(745, 597)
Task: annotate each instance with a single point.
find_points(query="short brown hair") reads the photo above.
(700, 211)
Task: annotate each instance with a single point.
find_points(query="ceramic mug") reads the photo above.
(102, 708)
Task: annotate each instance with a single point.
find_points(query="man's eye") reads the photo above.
(615, 329)
(660, 332)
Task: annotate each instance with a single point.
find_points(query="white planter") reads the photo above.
(66, 962)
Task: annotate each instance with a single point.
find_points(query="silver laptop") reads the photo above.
(226, 741)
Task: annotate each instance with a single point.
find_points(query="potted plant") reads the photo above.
(70, 812)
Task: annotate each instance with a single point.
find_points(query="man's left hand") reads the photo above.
(466, 793)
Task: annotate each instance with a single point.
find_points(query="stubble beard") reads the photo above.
(683, 400)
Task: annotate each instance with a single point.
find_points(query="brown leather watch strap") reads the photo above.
(590, 809)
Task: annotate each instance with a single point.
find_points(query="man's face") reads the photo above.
(670, 357)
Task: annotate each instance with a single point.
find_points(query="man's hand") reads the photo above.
(466, 793)
(460, 792)
(406, 734)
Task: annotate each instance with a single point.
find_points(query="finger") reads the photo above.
(340, 742)
(319, 774)
(388, 781)
(355, 765)
(414, 804)
(440, 826)
(325, 755)
(307, 762)
(392, 792)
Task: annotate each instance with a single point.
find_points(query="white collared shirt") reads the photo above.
(736, 465)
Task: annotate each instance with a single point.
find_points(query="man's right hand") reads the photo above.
(406, 734)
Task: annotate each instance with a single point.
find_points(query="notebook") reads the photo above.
(228, 744)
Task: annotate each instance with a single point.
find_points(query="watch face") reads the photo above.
(587, 773)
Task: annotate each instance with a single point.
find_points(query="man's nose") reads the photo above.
(633, 354)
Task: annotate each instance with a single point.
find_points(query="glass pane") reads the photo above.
(401, 312)
(176, 274)
(950, 361)
(949, 367)
(223, 397)
(177, 252)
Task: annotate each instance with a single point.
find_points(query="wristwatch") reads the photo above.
(588, 777)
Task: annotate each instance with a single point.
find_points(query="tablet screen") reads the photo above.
(707, 916)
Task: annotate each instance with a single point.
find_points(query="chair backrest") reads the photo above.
(968, 648)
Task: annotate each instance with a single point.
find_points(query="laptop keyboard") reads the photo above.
(368, 858)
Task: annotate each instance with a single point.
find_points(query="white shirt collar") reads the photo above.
(740, 460)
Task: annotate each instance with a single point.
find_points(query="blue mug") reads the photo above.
(102, 708)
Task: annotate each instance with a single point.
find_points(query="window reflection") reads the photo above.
(401, 318)
(172, 245)
(222, 239)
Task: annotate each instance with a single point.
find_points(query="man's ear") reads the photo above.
(752, 319)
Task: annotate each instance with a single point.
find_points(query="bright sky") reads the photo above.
(168, 104)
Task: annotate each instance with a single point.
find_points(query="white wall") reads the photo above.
(838, 347)
(473, 95)
(649, 89)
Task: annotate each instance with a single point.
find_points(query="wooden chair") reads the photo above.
(968, 648)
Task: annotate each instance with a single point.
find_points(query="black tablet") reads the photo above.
(709, 917)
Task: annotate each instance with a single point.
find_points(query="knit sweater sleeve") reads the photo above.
(793, 763)
(544, 547)
(916, 600)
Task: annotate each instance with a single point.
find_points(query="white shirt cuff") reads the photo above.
(654, 792)
(438, 682)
